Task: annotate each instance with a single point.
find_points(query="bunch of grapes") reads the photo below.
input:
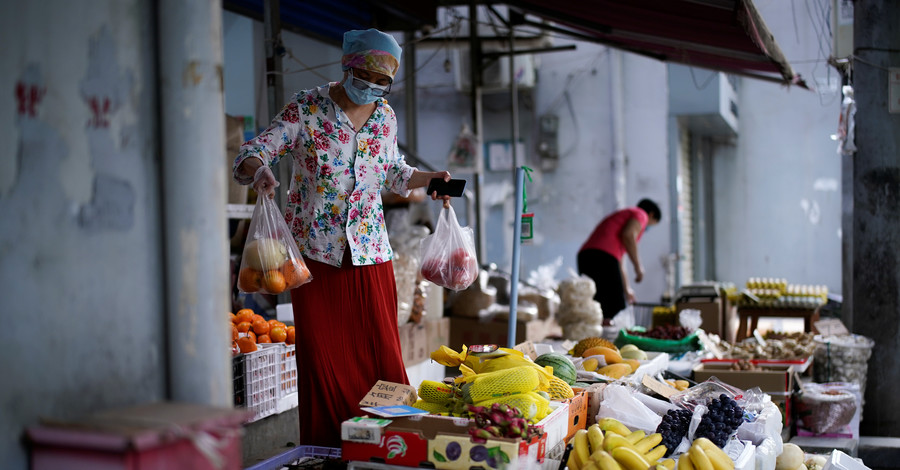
(721, 420)
(673, 428)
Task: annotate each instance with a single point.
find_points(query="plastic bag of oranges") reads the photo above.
(271, 262)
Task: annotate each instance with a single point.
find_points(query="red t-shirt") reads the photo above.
(606, 235)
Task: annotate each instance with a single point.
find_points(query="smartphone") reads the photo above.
(452, 188)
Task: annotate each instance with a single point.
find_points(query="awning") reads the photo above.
(327, 20)
(725, 35)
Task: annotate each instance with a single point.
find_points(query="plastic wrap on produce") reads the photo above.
(826, 408)
(766, 453)
(842, 359)
(405, 243)
(576, 288)
(767, 426)
(580, 331)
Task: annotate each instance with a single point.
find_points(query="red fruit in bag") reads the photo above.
(463, 268)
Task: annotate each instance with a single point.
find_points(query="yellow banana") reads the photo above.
(613, 440)
(719, 459)
(605, 461)
(582, 447)
(684, 462)
(656, 454)
(658, 466)
(595, 437)
(669, 463)
(573, 462)
(614, 425)
(650, 441)
(699, 458)
(629, 459)
(636, 436)
(590, 466)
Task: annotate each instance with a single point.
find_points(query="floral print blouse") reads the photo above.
(335, 196)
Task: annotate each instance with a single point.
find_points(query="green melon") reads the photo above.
(563, 368)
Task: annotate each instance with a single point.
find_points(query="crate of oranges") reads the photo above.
(264, 362)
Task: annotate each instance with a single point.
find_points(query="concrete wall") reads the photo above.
(778, 189)
(80, 247)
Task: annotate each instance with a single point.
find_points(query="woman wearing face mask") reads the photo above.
(342, 138)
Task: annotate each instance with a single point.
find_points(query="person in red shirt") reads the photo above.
(600, 257)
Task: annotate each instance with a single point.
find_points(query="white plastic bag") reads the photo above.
(619, 402)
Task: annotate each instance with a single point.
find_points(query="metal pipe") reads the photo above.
(409, 75)
(514, 100)
(517, 248)
(192, 146)
(477, 126)
(617, 95)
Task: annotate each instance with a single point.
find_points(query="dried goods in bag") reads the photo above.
(448, 254)
(271, 262)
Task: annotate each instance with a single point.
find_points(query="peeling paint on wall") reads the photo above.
(826, 184)
(811, 210)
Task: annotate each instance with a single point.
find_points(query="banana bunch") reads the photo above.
(704, 455)
(610, 445)
(680, 385)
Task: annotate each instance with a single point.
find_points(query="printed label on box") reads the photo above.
(366, 430)
(386, 393)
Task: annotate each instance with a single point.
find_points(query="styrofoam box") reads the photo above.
(555, 425)
(842, 461)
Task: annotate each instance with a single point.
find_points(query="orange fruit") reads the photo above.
(249, 280)
(273, 282)
(244, 315)
(278, 334)
(291, 335)
(260, 326)
(251, 335)
(234, 332)
(246, 344)
(263, 339)
(231, 317)
(244, 326)
(295, 273)
(257, 316)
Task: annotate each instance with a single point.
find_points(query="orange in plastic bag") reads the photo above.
(448, 254)
(271, 262)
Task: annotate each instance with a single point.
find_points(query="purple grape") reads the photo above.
(454, 450)
(478, 453)
(491, 462)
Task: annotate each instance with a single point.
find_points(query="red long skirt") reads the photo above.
(347, 339)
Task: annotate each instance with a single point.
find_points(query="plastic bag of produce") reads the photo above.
(619, 402)
(448, 254)
(271, 262)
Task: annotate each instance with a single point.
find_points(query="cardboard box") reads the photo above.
(385, 393)
(710, 313)
(414, 343)
(437, 332)
(556, 426)
(777, 381)
(578, 413)
(424, 441)
(470, 331)
(593, 396)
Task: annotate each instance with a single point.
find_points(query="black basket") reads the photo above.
(240, 388)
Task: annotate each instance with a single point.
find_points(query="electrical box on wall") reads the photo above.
(495, 76)
(706, 99)
(842, 26)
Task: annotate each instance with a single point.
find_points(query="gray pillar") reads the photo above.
(192, 147)
(876, 210)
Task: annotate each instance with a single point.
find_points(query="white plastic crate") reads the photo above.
(287, 370)
(261, 380)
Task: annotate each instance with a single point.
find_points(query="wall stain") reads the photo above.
(192, 75)
(880, 193)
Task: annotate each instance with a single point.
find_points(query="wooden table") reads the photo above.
(753, 314)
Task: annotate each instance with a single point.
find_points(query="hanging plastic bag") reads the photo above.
(271, 263)
(448, 254)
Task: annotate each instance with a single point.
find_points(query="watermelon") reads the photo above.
(563, 368)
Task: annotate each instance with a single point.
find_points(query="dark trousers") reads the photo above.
(606, 272)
